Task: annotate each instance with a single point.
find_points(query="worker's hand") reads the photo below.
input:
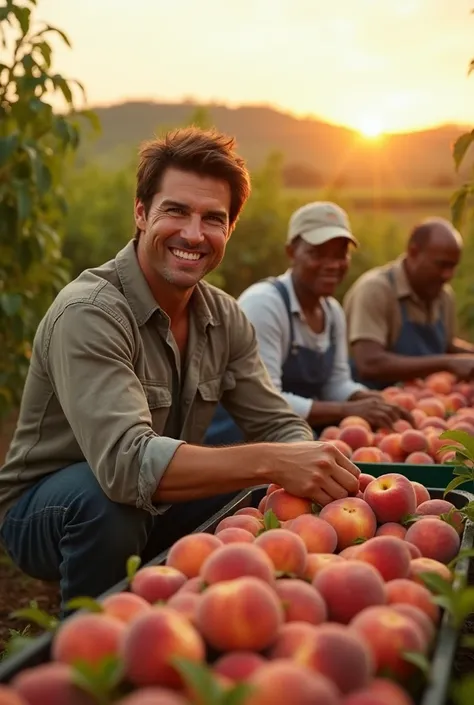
(379, 412)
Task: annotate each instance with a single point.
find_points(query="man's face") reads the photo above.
(433, 266)
(319, 269)
(187, 227)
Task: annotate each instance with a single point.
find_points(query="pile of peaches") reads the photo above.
(284, 603)
(436, 404)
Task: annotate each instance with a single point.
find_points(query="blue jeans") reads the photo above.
(65, 528)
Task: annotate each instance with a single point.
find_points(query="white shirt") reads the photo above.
(264, 307)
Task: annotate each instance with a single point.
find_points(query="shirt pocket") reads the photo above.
(209, 393)
(159, 402)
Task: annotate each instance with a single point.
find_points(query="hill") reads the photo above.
(315, 153)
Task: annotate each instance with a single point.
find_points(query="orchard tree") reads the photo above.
(35, 142)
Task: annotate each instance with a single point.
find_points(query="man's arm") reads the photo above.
(458, 346)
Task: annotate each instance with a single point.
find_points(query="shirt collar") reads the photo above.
(287, 280)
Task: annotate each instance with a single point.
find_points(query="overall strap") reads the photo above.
(402, 305)
(283, 291)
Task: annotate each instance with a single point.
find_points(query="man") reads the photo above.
(401, 317)
(127, 368)
(301, 330)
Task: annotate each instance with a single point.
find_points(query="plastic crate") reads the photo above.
(438, 476)
(442, 660)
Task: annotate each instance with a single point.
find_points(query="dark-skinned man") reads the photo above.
(301, 329)
(401, 317)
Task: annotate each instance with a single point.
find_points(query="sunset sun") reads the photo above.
(370, 127)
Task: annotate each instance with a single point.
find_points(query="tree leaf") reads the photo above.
(456, 483)
(458, 205)
(22, 14)
(238, 695)
(61, 84)
(436, 584)
(50, 28)
(200, 679)
(133, 564)
(86, 603)
(461, 146)
(10, 303)
(417, 659)
(8, 146)
(465, 439)
(45, 50)
(270, 520)
(39, 617)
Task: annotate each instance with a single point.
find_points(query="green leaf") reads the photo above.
(24, 202)
(359, 540)
(39, 617)
(92, 118)
(238, 695)
(456, 483)
(457, 205)
(10, 303)
(50, 28)
(100, 680)
(61, 84)
(436, 584)
(465, 439)
(417, 659)
(200, 679)
(45, 50)
(461, 146)
(270, 520)
(8, 146)
(22, 14)
(86, 603)
(463, 605)
(133, 564)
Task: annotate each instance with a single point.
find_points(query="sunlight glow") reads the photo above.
(370, 127)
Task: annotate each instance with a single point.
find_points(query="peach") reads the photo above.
(263, 504)
(388, 554)
(433, 424)
(412, 441)
(343, 447)
(391, 497)
(157, 582)
(317, 535)
(249, 511)
(287, 506)
(188, 553)
(153, 640)
(388, 692)
(332, 650)
(195, 585)
(405, 591)
(349, 421)
(421, 493)
(125, 606)
(272, 487)
(414, 551)
(432, 406)
(419, 458)
(301, 602)
(389, 635)
(236, 560)
(418, 417)
(418, 566)
(405, 400)
(391, 444)
(248, 523)
(421, 618)
(435, 444)
(402, 425)
(448, 457)
(438, 507)
(367, 455)
(9, 697)
(316, 561)
(455, 401)
(391, 529)
(330, 433)
(434, 538)
(238, 666)
(286, 550)
(239, 615)
(90, 637)
(349, 587)
(235, 534)
(364, 480)
(463, 426)
(440, 382)
(272, 683)
(351, 518)
(186, 603)
(349, 552)
(51, 684)
(356, 436)
(153, 696)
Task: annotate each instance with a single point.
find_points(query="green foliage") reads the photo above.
(35, 142)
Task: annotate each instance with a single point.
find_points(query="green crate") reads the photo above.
(438, 476)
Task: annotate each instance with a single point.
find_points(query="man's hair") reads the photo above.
(203, 152)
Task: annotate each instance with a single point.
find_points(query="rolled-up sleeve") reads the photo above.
(89, 358)
(254, 402)
(266, 311)
(340, 385)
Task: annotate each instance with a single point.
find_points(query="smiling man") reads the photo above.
(401, 317)
(301, 329)
(126, 371)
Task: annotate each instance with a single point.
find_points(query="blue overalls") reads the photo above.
(304, 372)
(414, 340)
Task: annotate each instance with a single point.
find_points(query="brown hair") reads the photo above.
(205, 152)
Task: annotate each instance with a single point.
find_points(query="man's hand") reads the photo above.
(377, 411)
(318, 471)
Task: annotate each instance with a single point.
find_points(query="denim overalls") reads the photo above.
(414, 340)
(304, 372)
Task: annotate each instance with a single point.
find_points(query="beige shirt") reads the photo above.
(372, 306)
(106, 385)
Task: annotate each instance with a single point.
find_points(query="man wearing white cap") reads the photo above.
(301, 328)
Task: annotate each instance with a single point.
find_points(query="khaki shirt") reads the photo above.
(372, 306)
(106, 385)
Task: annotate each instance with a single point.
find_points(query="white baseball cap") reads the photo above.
(319, 222)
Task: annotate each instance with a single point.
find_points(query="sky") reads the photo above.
(372, 65)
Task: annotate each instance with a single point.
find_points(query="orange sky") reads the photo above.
(391, 65)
